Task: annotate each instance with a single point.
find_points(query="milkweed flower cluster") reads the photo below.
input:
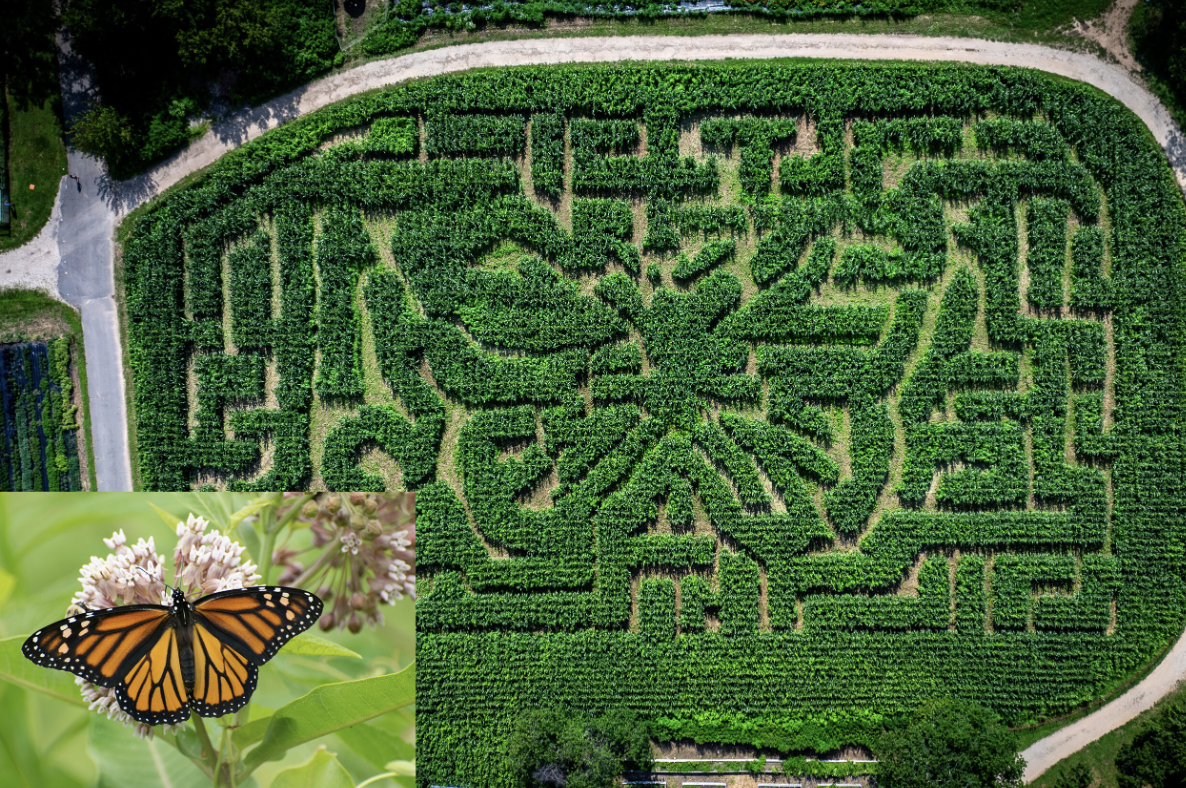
(204, 563)
(365, 555)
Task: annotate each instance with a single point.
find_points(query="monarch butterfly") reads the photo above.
(164, 661)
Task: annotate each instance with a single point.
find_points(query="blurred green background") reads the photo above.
(45, 538)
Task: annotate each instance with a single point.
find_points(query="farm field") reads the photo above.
(39, 451)
(768, 399)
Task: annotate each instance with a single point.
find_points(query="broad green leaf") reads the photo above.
(125, 761)
(375, 745)
(316, 647)
(250, 539)
(330, 708)
(404, 768)
(320, 771)
(16, 668)
(246, 735)
(255, 507)
(170, 520)
(190, 743)
(26, 760)
(7, 583)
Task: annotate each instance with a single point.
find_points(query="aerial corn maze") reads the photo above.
(767, 400)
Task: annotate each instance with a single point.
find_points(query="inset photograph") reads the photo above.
(207, 639)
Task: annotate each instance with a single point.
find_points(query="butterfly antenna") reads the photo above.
(150, 576)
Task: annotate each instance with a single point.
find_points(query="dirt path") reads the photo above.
(247, 125)
(1110, 32)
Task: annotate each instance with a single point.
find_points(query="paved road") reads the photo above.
(86, 281)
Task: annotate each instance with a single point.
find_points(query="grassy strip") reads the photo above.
(32, 315)
(1034, 23)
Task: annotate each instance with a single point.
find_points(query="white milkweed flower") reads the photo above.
(203, 562)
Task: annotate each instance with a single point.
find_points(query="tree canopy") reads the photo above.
(1157, 755)
(950, 742)
(552, 748)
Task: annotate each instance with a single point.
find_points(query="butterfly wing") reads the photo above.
(235, 632)
(153, 690)
(99, 645)
(223, 678)
(257, 621)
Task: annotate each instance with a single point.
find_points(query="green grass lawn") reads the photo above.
(37, 156)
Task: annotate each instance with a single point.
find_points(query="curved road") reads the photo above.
(85, 235)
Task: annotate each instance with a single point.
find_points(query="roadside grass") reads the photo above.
(1037, 22)
(37, 156)
(31, 315)
(1100, 755)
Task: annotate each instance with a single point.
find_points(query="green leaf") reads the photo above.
(7, 583)
(250, 539)
(205, 505)
(403, 768)
(16, 668)
(316, 647)
(170, 520)
(255, 507)
(125, 761)
(246, 735)
(330, 708)
(320, 771)
(375, 745)
(190, 743)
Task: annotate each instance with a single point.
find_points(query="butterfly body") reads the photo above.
(164, 661)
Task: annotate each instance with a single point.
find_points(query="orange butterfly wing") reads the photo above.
(235, 632)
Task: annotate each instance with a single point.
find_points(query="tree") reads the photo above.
(28, 54)
(950, 742)
(105, 133)
(553, 748)
(1157, 755)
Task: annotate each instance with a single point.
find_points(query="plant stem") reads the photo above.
(297, 505)
(374, 779)
(269, 538)
(208, 750)
(219, 764)
(265, 558)
(317, 566)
